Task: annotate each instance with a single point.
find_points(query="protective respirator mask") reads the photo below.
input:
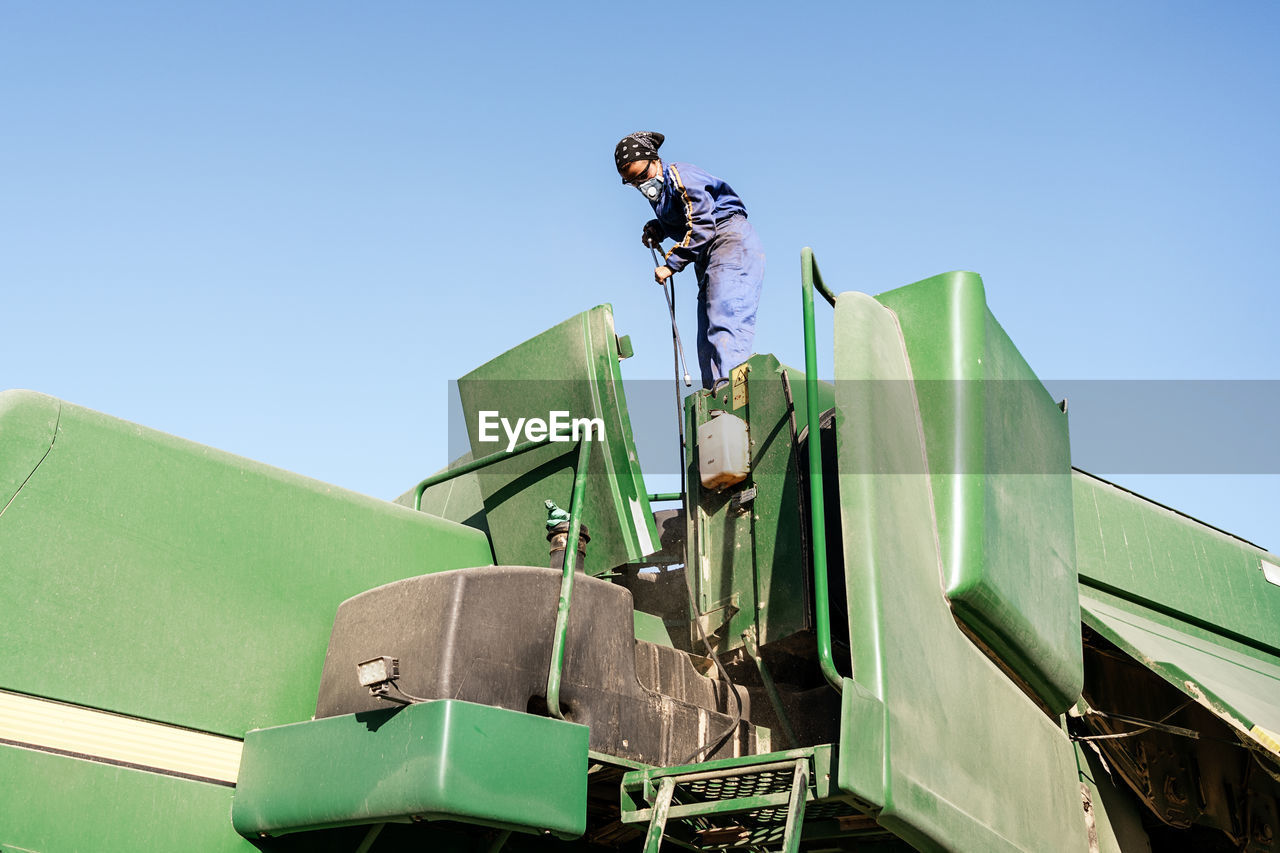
(651, 188)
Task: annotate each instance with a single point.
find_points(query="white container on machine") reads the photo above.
(724, 452)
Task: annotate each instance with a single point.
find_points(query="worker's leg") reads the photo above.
(728, 298)
(705, 352)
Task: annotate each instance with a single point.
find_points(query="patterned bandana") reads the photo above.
(643, 145)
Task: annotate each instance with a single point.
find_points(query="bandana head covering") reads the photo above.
(642, 145)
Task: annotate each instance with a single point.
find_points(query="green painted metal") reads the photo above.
(770, 801)
(163, 579)
(1163, 560)
(658, 822)
(572, 367)
(54, 804)
(796, 807)
(470, 466)
(1236, 682)
(811, 277)
(749, 575)
(666, 496)
(561, 634)
(434, 760)
(1000, 464)
(30, 422)
(457, 498)
(934, 738)
(650, 628)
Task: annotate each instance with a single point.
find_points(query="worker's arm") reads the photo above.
(700, 224)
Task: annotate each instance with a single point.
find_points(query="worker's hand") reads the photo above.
(662, 273)
(652, 234)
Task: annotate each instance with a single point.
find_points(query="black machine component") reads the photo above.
(485, 635)
(1201, 783)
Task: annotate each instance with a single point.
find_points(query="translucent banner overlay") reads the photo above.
(1116, 426)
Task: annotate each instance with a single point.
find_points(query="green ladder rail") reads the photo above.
(758, 802)
(810, 280)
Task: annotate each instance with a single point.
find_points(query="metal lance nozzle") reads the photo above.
(558, 536)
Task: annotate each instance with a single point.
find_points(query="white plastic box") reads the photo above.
(724, 452)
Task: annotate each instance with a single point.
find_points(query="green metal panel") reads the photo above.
(573, 368)
(1236, 682)
(650, 628)
(932, 734)
(57, 804)
(27, 425)
(748, 567)
(1000, 460)
(434, 760)
(1164, 560)
(159, 578)
(457, 499)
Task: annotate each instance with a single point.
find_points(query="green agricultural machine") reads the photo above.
(885, 614)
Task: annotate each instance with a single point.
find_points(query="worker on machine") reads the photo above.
(708, 221)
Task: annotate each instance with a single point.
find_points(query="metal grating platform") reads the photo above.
(759, 803)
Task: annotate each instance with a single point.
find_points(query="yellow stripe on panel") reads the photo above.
(1269, 739)
(101, 736)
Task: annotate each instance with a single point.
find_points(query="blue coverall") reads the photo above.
(709, 224)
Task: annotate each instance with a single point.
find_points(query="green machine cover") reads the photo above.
(570, 369)
(159, 582)
(934, 737)
(1198, 606)
(1000, 463)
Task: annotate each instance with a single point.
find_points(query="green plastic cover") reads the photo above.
(159, 578)
(571, 368)
(1194, 604)
(1151, 553)
(934, 738)
(1000, 459)
(444, 760)
(59, 803)
(1240, 685)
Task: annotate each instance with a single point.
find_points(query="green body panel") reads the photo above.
(56, 804)
(1000, 462)
(650, 628)
(933, 735)
(1188, 601)
(434, 760)
(571, 367)
(170, 581)
(750, 567)
(457, 499)
(28, 423)
(1164, 560)
(1239, 683)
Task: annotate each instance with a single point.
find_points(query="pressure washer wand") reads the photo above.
(677, 359)
(671, 306)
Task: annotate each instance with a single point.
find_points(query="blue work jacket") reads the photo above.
(690, 205)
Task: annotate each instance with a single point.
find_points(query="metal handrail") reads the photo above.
(566, 582)
(811, 278)
(477, 464)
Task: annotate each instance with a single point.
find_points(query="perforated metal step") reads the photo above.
(758, 802)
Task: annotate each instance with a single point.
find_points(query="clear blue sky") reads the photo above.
(279, 228)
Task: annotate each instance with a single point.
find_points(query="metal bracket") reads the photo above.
(740, 501)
